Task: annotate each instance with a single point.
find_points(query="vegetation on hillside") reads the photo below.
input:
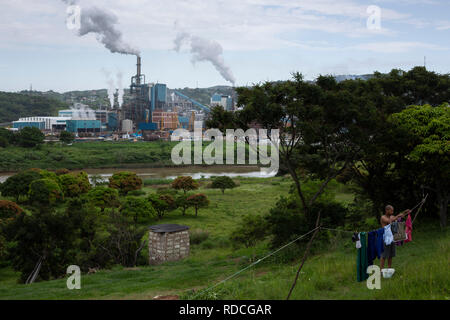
(14, 106)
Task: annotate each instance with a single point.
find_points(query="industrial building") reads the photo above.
(84, 126)
(222, 100)
(42, 123)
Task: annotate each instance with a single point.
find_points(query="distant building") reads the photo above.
(84, 126)
(43, 123)
(158, 96)
(224, 101)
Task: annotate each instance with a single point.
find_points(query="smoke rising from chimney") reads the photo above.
(103, 25)
(205, 50)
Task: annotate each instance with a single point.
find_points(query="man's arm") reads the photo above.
(401, 215)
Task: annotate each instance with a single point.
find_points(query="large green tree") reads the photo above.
(429, 128)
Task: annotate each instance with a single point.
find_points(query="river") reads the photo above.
(173, 172)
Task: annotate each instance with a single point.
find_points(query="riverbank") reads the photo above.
(95, 156)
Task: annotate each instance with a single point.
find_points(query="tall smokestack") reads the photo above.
(138, 76)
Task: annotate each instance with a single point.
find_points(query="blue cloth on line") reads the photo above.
(379, 242)
(371, 247)
(388, 236)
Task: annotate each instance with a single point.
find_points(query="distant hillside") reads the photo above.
(16, 105)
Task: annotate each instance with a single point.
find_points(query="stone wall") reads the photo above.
(168, 246)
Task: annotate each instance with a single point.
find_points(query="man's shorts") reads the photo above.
(389, 251)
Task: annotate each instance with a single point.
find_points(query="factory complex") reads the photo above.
(149, 114)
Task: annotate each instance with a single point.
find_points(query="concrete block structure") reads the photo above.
(168, 242)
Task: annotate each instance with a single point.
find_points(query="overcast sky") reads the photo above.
(261, 40)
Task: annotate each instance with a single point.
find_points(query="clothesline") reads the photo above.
(420, 204)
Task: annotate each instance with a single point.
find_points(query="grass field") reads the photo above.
(85, 155)
(330, 273)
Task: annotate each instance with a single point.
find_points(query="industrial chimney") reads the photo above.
(138, 75)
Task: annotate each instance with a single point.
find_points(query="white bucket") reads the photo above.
(387, 273)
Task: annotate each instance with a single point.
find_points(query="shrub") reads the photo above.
(18, 184)
(45, 192)
(223, 183)
(137, 208)
(125, 182)
(137, 193)
(251, 229)
(104, 197)
(197, 236)
(30, 137)
(67, 137)
(74, 185)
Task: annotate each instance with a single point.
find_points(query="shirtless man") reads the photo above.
(388, 218)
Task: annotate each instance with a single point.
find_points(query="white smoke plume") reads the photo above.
(205, 50)
(103, 24)
(120, 87)
(111, 86)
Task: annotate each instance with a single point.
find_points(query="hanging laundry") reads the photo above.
(361, 259)
(388, 238)
(399, 243)
(394, 227)
(358, 241)
(408, 229)
(380, 242)
(371, 247)
(399, 234)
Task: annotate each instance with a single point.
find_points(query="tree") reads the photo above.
(30, 137)
(429, 128)
(18, 184)
(162, 203)
(198, 201)
(104, 197)
(321, 126)
(66, 137)
(185, 184)
(181, 202)
(220, 119)
(74, 185)
(45, 192)
(223, 183)
(44, 240)
(136, 207)
(125, 182)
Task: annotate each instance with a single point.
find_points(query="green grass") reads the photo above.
(330, 273)
(88, 155)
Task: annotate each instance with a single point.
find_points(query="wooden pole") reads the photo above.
(305, 256)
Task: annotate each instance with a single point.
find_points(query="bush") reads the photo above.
(45, 192)
(104, 197)
(223, 183)
(197, 236)
(251, 229)
(125, 182)
(67, 137)
(137, 208)
(19, 184)
(137, 193)
(74, 185)
(30, 137)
